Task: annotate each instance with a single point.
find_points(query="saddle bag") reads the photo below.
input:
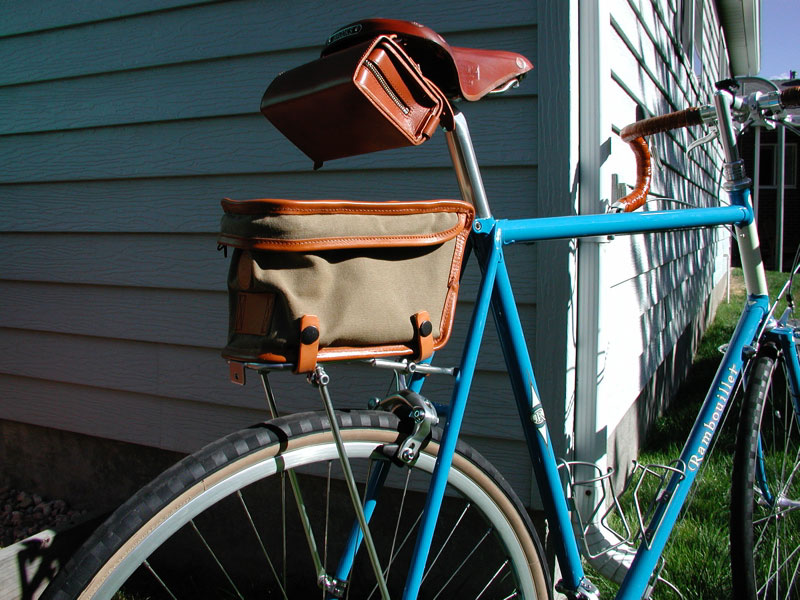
(317, 280)
(365, 98)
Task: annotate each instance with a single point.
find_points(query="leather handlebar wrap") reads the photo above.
(634, 134)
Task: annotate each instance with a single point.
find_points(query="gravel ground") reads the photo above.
(23, 514)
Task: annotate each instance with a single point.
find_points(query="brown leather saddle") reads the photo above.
(466, 73)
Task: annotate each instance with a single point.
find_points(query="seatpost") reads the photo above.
(465, 164)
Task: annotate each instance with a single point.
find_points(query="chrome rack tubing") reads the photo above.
(321, 379)
(465, 163)
(295, 486)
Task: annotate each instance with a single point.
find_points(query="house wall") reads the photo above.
(123, 126)
(658, 286)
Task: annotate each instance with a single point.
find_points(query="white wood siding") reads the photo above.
(658, 283)
(124, 124)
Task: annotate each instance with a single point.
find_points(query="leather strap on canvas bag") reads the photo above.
(309, 344)
(423, 331)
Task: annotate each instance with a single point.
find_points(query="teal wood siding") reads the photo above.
(123, 124)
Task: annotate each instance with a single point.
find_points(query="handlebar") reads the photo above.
(674, 120)
(634, 134)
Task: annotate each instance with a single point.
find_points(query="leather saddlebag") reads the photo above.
(364, 98)
(317, 280)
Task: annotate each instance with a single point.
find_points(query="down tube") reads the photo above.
(699, 443)
(537, 436)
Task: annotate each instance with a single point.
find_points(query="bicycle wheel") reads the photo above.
(765, 493)
(224, 522)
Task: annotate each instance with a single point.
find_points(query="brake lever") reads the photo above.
(712, 134)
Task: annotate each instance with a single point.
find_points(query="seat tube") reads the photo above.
(534, 426)
(466, 167)
(452, 427)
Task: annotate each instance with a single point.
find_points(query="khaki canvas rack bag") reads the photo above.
(317, 280)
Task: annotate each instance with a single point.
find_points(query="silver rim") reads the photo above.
(170, 520)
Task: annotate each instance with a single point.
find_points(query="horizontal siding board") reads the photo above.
(219, 31)
(647, 340)
(38, 15)
(630, 39)
(172, 261)
(245, 144)
(673, 297)
(632, 255)
(660, 41)
(168, 261)
(125, 416)
(182, 374)
(186, 318)
(192, 205)
(182, 426)
(191, 90)
(190, 318)
(649, 288)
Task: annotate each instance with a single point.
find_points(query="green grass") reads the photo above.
(698, 554)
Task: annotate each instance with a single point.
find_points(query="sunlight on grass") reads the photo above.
(698, 553)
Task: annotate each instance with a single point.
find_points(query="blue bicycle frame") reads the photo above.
(490, 237)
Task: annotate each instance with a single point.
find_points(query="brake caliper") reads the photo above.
(420, 412)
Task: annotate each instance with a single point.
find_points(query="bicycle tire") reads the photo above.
(202, 490)
(765, 537)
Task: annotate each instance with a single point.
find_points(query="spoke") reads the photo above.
(283, 525)
(793, 580)
(327, 521)
(447, 540)
(775, 572)
(160, 581)
(491, 581)
(216, 560)
(464, 562)
(775, 514)
(261, 544)
(400, 548)
(397, 522)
